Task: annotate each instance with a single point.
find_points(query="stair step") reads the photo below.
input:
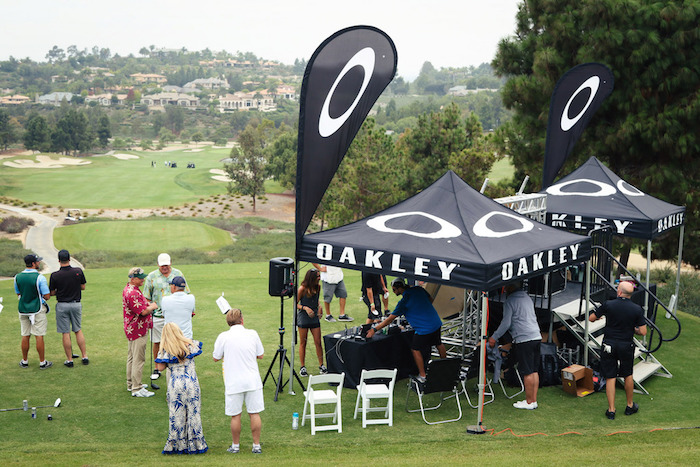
(570, 309)
(645, 369)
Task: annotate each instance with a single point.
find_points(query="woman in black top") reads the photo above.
(308, 314)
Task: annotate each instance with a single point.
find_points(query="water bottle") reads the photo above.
(295, 421)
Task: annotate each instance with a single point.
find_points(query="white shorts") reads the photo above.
(254, 402)
(157, 330)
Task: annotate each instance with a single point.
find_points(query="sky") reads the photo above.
(447, 33)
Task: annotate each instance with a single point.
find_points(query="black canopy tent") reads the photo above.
(449, 233)
(593, 196)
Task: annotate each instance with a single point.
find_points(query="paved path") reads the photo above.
(40, 238)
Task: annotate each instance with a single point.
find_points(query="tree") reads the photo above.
(197, 137)
(104, 131)
(247, 166)
(366, 179)
(441, 141)
(8, 129)
(282, 158)
(646, 131)
(72, 133)
(37, 136)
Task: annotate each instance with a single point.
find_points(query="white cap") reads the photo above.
(163, 259)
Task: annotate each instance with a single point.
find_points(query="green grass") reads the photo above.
(100, 424)
(501, 170)
(109, 182)
(141, 235)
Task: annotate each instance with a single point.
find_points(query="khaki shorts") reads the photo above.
(254, 402)
(38, 328)
(157, 329)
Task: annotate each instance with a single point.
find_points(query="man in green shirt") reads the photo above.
(32, 291)
(156, 287)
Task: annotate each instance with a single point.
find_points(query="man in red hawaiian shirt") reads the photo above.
(137, 322)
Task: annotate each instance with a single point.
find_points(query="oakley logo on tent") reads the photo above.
(667, 222)
(581, 223)
(482, 230)
(447, 229)
(526, 265)
(328, 125)
(604, 189)
(621, 186)
(591, 83)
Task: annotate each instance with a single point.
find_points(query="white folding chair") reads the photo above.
(315, 396)
(366, 391)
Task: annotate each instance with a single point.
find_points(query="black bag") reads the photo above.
(550, 369)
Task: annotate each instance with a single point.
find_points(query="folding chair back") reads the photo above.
(369, 389)
(440, 376)
(317, 394)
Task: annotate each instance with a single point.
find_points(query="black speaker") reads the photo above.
(281, 277)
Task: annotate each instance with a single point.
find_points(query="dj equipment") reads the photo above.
(281, 280)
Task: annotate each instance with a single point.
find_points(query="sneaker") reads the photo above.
(420, 379)
(610, 415)
(233, 450)
(257, 450)
(142, 393)
(45, 365)
(155, 375)
(143, 386)
(86, 361)
(330, 318)
(632, 410)
(345, 318)
(303, 372)
(23, 365)
(323, 369)
(68, 363)
(525, 405)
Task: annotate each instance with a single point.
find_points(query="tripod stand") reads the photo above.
(282, 354)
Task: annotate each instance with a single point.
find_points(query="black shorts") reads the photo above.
(528, 354)
(422, 342)
(619, 361)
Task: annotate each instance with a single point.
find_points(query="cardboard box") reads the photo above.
(577, 380)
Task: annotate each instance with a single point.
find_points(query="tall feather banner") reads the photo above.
(342, 81)
(576, 97)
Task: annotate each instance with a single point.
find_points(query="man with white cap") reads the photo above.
(156, 287)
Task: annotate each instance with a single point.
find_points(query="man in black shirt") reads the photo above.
(372, 291)
(623, 319)
(67, 285)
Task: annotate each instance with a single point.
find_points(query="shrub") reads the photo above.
(11, 257)
(14, 224)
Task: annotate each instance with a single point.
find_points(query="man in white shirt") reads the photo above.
(332, 281)
(240, 348)
(178, 307)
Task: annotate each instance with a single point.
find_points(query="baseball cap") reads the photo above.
(29, 259)
(398, 282)
(63, 255)
(179, 281)
(137, 272)
(163, 259)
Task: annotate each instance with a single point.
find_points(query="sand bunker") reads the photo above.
(220, 175)
(45, 162)
(193, 150)
(125, 156)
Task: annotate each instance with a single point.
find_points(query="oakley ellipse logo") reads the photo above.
(447, 229)
(631, 191)
(482, 230)
(603, 188)
(328, 125)
(591, 83)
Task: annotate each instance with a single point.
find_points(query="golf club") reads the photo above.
(153, 377)
(55, 404)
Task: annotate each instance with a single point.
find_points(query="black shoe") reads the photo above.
(86, 361)
(68, 363)
(610, 415)
(45, 365)
(632, 410)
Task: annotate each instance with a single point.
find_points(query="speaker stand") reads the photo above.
(283, 360)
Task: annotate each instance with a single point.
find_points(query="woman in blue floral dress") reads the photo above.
(177, 353)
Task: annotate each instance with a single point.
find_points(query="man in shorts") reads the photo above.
(332, 282)
(416, 305)
(32, 291)
(519, 318)
(156, 287)
(623, 319)
(67, 285)
(240, 349)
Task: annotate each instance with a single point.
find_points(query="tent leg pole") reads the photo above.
(646, 295)
(588, 301)
(482, 358)
(678, 272)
